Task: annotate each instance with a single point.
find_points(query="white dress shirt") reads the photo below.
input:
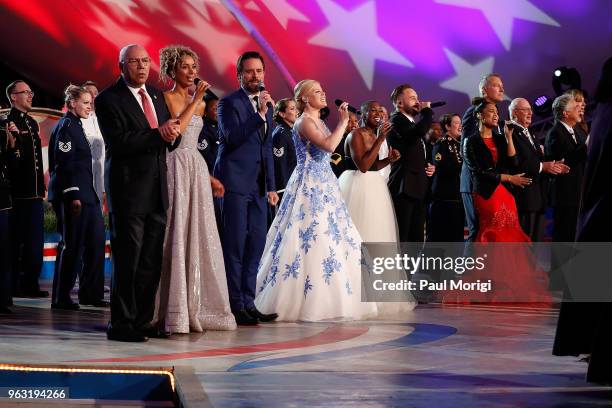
(98, 154)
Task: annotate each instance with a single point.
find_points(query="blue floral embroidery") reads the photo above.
(273, 271)
(276, 243)
(307, 286)
(330, 265)
(349, 240)
(301, 213)
(308, 235)
(293, 269)
(316, 203)
(332, 228)
(348, 288)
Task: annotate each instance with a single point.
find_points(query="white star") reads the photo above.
(223, 48)
(502, 14)
(201, 7)
(361, 41)
(115, 33)
(154, 5)
(124, 5)
(467, 76)
(283, 12)
(251, 5)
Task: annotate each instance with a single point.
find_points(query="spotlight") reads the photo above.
(565, 78)
(542, 106)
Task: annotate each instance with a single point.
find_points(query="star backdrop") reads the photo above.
(358, 49)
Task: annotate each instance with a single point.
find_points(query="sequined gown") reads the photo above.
(193, 292)
(311, 266)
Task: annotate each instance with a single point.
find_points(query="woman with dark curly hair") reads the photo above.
(193, 291)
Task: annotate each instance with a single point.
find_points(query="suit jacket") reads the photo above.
(8, 160)
(208, 143)
(529, 157)
(486, 173)
(559, 145)
(408, 173)
(136, 154)
(72, 162)
(245, 148)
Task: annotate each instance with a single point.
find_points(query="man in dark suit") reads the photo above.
(531, 201)
(246, 169)
(408, 181)
(492, 89)
(137, 129)
(563, 144)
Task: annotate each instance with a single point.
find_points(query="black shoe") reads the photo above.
(5, 310)
(65, 306)
(244, 319)
(95, 303)
(153, 332)
(130, 335)
(33, 294)
(262, 316)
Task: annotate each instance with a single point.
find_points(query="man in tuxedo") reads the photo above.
(137, 129)
(246, 168)
(408, 181)
(492, 89)
(562, 143)
(531, 200)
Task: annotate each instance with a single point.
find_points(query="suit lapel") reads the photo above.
(130, 105)
(159, 103)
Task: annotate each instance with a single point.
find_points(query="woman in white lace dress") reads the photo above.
(193, 289)
(311, 266)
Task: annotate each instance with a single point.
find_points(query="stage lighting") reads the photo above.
(565, 78)
(542, 106)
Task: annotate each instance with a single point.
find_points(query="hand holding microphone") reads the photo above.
(350, 108)
(265, 100)
(208, 92)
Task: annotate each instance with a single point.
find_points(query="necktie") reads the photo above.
(530, 138)
(148, 109)
(573, 135)
(255, 102)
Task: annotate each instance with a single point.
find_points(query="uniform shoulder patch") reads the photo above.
(64, 147)
(279, 152)
(203, 144)
(438, 156)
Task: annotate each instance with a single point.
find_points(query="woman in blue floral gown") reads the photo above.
(311, 266)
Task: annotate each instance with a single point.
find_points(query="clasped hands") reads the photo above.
(170, 130)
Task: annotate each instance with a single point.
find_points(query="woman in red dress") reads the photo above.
(512, 268)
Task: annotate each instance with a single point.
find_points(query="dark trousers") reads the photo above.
(471, 219)
(446, 221)
(82, 255)
(137, 242)
(532, 223)
(27, 244)
(565, 219)
(244, 238)
(5, 261)
(410, 214)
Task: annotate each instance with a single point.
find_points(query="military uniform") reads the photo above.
(83, 253)
(7, 161)
(208, 143)
(446, 211)
(28, 190)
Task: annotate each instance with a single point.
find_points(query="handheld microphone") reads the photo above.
(263, 88)
(437, 104)
(350, 108)
(209, 93)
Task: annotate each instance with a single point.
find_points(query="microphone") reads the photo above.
(350, 108)
(437, 104)
(263, 88)
(209, 93)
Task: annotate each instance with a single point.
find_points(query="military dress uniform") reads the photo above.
(7, 160)
(27, 217)
(83, 253)
(208, 143)
(446, 211)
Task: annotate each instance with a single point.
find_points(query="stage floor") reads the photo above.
(459, 356)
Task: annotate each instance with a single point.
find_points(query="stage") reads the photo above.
(439, 356)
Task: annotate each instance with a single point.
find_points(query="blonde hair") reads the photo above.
(170, 57)
(73, 93)
(302, 89)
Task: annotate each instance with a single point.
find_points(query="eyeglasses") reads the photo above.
(136, 61)
(29, 93)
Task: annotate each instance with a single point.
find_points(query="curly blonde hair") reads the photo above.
(302, 89)
(170, 57)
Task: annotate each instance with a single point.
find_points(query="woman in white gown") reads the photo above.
(193, 292)
(368, 200)
(311, 266)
